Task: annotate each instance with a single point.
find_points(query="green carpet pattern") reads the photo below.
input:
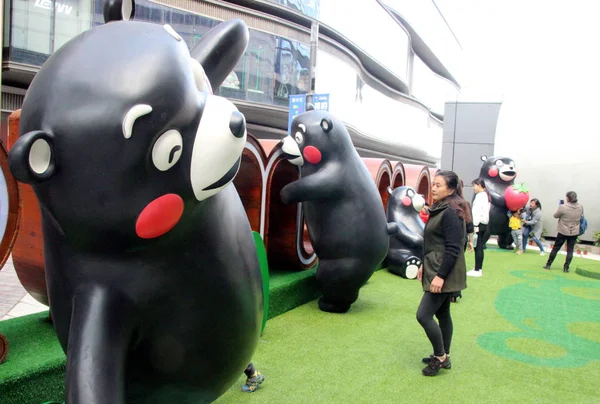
(521, 334)
(553, 316)
(588, 270)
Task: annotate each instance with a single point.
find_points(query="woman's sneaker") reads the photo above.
(434, 365)
(446, 364)
(253, 382)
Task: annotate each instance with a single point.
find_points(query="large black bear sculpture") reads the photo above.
(498, 173)
(405, 253)
(153, 278)
(345, 219)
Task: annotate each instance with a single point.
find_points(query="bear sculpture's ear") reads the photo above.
(484, 157)
(219, 49)
(117, 10)
(31, 160)
(389, 190)
(326, 124)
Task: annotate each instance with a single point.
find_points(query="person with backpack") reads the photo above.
(569, 217)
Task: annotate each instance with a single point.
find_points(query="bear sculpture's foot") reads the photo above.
(333, 307)
(412, 267)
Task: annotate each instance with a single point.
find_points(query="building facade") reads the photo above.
(386, 80)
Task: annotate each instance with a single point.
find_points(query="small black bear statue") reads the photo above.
(406, 245)
(498, 173)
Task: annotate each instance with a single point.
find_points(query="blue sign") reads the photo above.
(321, 102)
(297, 106)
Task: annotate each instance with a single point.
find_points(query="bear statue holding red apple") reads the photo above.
(499, 175)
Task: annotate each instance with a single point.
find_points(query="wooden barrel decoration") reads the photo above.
(381, 172)
(424, 184)
(249, 181)
(268, 145)
(9, 208)
(286, 239)
(3, 348)
(398, 175)
(412, 172)
(28, 249)
(9, 221)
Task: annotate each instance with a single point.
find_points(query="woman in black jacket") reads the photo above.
(444, 270)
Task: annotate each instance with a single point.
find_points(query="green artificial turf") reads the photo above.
(261, 252)
(588, 270)
(521, 334)
(289, 290)
(34, 368)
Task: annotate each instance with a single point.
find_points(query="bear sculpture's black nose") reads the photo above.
(237, 124)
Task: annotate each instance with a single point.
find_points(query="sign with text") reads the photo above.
(321, 102)
(298, 105)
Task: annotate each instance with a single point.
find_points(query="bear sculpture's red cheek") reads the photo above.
(159, 216)
(493, 172)
(406, 201)
(312, 154)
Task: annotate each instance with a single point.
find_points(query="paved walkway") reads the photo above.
(14, 299)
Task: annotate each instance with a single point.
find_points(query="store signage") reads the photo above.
(297, 106)
(321, 102)
(60, 7)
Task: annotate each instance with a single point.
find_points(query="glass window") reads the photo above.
(72, 18)
(271, 69)
(292, 61)
(306, 7)
(31, 26)
(149, 12)
(255, 70)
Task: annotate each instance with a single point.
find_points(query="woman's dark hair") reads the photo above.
(479, 181)
(537, 203)
(572, 197)
(456, 200)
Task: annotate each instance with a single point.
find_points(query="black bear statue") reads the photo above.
(405, 253)
(498, 173)
(153, 277)
(345, 219)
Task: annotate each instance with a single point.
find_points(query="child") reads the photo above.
(516, 229)
(253, 379)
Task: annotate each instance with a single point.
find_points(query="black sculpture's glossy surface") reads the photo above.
(153, 278)
(498, 173)
(342, 206)
(405, 253)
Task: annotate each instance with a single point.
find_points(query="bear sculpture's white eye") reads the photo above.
(299, 138)
(167, 150)
(499, 163)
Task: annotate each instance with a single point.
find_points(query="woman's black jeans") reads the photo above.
(482, 238)
(558, 243)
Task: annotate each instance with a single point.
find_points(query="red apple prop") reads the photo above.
(516, 197)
